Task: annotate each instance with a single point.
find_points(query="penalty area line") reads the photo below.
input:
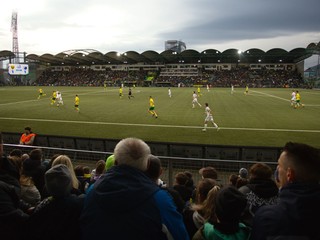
(160, 126)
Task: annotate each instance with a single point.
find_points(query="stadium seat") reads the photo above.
(158, 149)
(97, 145)
(222, 153)
(41, 141)
(110, 145)
(11, 138)
(257, 154)
(83, 144)
(186, 151)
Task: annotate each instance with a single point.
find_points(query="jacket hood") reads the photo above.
(123, 188)
(263, 188)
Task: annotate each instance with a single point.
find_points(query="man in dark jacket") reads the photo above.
(12, 218)
(298, 209)
(127, 204)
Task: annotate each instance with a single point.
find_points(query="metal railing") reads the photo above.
(171, 165)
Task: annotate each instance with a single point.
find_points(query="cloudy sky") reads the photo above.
(54, 26)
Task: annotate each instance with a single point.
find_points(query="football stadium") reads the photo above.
(179, 144)
(249, 94)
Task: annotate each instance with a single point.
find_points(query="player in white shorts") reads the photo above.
(293, 98)
(195, 99)
(169, 92)
(59, 99)
(209, 118)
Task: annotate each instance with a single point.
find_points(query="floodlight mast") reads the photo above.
(14, 30)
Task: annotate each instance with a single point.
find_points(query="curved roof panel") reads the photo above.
(91, 56)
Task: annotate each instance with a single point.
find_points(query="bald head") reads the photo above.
(133, 152)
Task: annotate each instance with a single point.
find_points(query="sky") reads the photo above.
(54, 26)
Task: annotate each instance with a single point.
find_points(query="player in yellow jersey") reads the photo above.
(120, 92)
(247, 90)
(199, 92)
(76, 103)
(151, 108)
(298, 100)
(41, 93)
(53, 98)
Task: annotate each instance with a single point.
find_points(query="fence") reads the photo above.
(171, 164)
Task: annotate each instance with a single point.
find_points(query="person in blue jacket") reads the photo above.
(297, 213)
(127, 204)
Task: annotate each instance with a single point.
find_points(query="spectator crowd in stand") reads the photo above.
(238, 77)
(125, 198)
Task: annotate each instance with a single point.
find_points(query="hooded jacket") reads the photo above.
(12, 218)
(126, 204)
(296, 213)
(259, 192)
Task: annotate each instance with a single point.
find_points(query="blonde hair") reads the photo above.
(207, 208)
(65, 160)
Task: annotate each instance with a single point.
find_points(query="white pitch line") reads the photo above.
(287, 100)
(162, 126)
(269, 95)
(48, 98)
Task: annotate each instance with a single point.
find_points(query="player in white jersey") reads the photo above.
(195, 99)
(59, 99)
(208, 88)
(293, 98)
(169, 92)
(209, 118)
(232, 89)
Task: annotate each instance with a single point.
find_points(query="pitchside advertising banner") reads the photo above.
(18, 69)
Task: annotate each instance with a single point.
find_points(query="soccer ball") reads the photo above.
(203, 130)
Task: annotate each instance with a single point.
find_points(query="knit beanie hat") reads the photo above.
(243, 172)
(230, 204)
(58, 181)
(109, 162)
(30, 166)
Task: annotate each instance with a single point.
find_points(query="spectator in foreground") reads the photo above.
(154, 172)
(64, 159)
(128, 203)
(57, 217)
(261, 190)
(298, 209)
(225, 224)
(27, 138)
(12, 217)
(194, 215)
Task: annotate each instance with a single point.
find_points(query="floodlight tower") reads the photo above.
(14, 30)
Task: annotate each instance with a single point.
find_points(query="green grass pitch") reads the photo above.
(263, 118)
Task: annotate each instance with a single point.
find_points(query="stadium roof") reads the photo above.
(93, 57)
